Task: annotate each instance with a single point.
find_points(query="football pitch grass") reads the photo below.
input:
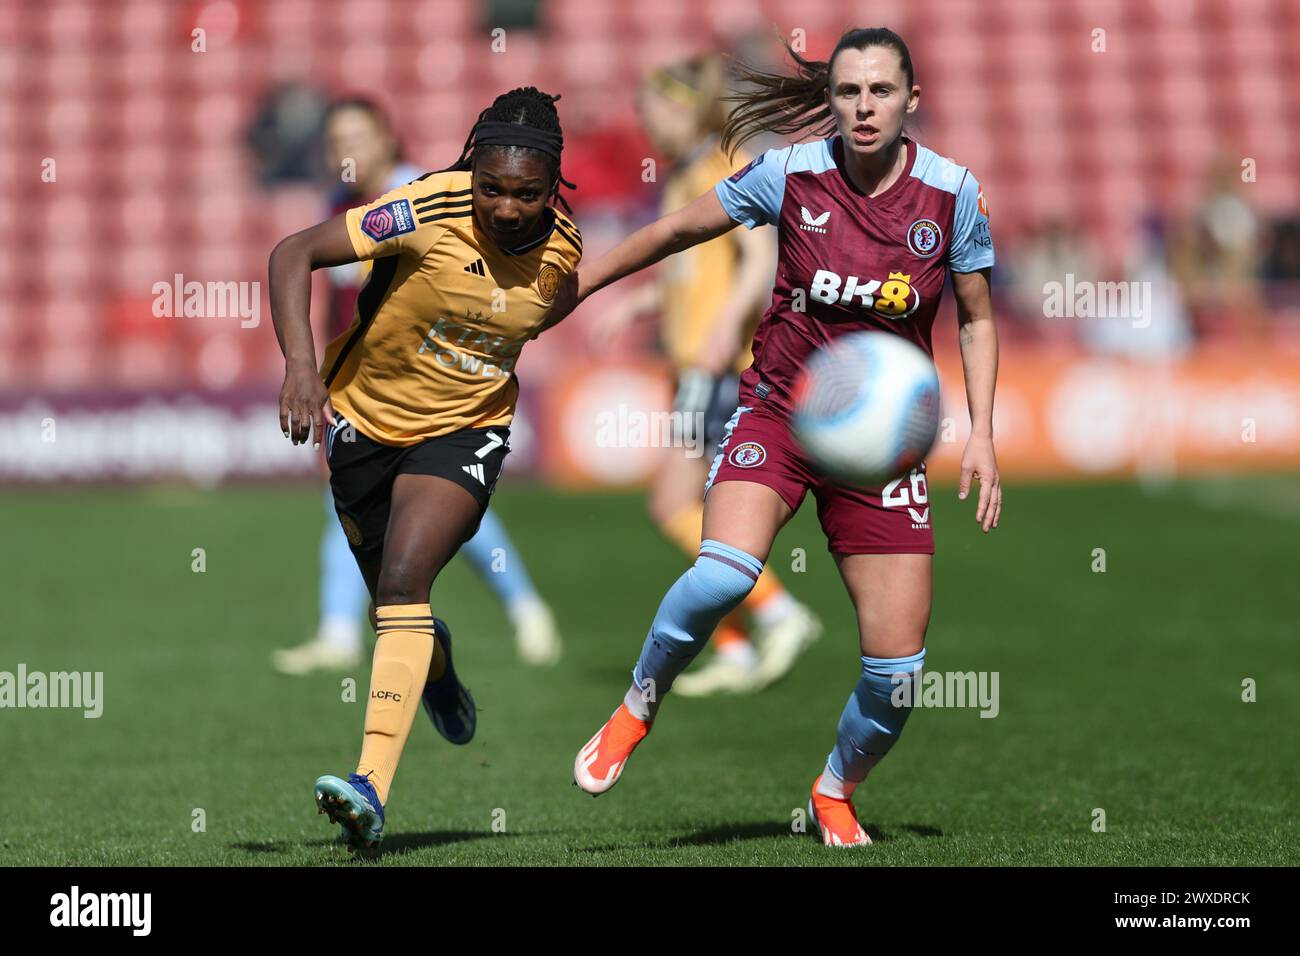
(1120, 692)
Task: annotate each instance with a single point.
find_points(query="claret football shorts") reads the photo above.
(758, 446)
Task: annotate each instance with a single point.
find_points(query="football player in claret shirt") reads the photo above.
(357, 132)
(418, 396)
(870, 223)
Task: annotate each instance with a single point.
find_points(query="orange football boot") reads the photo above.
(835, 820)
(600, 763)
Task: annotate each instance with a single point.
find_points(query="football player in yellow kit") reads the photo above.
(414, 402)
(360, 135)
(709, 298)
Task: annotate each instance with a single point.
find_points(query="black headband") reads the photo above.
(497, 133)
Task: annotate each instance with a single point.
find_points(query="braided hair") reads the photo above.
(524, 119)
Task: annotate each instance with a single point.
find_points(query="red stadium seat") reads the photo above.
(154, 175)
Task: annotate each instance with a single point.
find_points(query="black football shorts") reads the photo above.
(362, 472)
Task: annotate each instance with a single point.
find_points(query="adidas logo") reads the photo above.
(474, 471)
(811, 224)
(477, 268)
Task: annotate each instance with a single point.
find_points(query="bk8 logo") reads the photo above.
(894, 298)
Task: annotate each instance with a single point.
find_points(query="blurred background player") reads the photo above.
(710, 298)
(361, 146)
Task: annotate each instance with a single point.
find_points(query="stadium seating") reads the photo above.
(154, 175)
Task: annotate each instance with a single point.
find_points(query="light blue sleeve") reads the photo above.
(971, 248)
(752, 196)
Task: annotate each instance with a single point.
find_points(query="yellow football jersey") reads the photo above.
(444, 314)
(697, 282)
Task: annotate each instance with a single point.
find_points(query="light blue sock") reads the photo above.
(343, 592)
(494, 557)
(871, 723)
(690, 611)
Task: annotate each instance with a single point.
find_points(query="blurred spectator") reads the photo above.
(364, 159)
(1282, 260)
(1216, 259)
(1056, 247)
(509, 14)
(285, 134)
(1281, 270)
(1157, 325)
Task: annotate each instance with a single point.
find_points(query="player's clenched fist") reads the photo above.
(304, 401)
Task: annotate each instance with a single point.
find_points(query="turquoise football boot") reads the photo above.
(355, 806)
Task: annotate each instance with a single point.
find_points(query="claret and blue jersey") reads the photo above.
(847, 261)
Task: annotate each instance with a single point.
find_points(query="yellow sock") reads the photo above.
(765, 588)
(730, 632)
(684, 528)
(404, 651)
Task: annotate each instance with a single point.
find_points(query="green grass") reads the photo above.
(1119, 691)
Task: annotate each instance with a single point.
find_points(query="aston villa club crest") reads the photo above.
(749, 454)
(924, 237)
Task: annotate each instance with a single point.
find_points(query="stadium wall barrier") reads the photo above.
(1059, 414)
(604, 425)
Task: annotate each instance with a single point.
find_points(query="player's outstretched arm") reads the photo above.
(303, 398)
(699, 221)
(978, 337)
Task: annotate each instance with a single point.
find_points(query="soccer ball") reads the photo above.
(866, 407)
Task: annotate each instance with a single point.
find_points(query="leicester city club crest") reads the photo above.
(548, 281)
(351, 529)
